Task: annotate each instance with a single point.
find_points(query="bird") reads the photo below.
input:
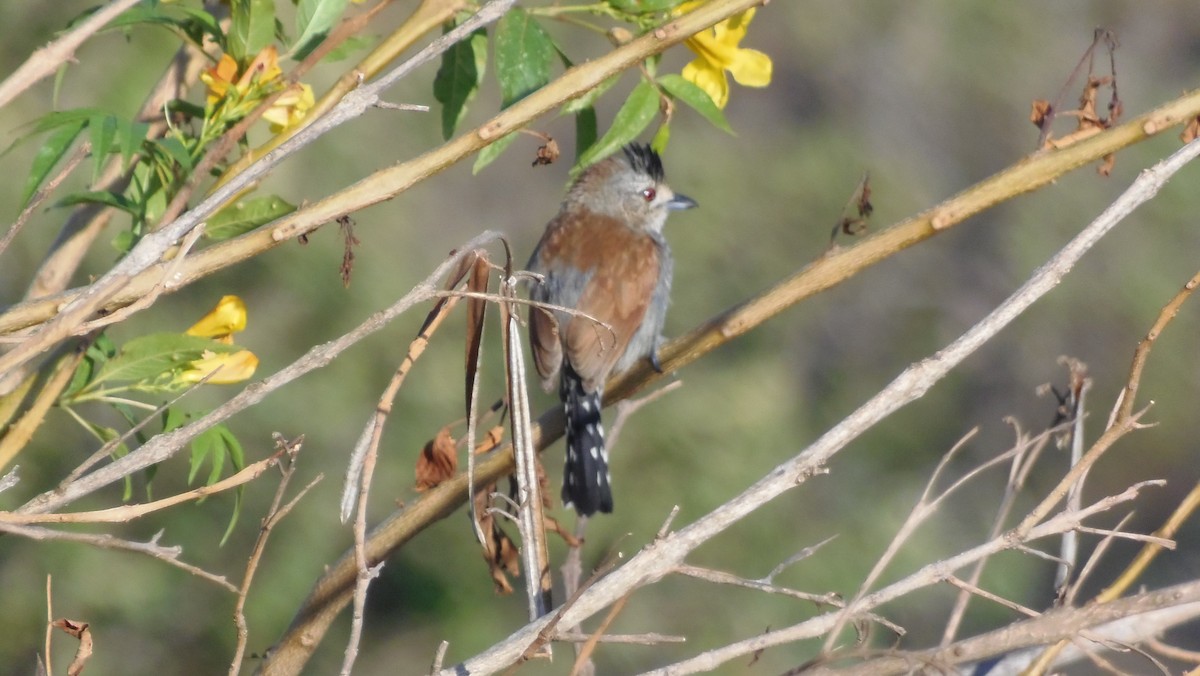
(604, 258)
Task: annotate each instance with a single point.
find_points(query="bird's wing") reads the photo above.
(624, 270)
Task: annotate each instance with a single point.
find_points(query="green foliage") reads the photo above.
(153, 361)
(192, 22)
(633, 118)
(251, 28)
(245, 215)
(643, 6)
(53, 149)
(216, 445)
(314, 20)
(524, 56)
(491, 152)
(459, 77)
(684, 90)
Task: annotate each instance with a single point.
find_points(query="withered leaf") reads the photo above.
(476, 311)
(1040, 109)
(499, 551)
(349, 241)
(547, 154)
(437, 462)
(1191, 131)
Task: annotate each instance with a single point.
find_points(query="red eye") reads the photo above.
(649, 194)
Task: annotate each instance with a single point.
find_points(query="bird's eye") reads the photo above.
(649, 194)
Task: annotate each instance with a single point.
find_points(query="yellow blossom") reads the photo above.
(290, 107)
(226, 319)
(219, 78)
(717, 51)
(226, 368)
(260, 79)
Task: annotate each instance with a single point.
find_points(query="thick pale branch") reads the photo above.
(46, 60)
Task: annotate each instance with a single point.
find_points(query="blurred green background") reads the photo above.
(929, 96)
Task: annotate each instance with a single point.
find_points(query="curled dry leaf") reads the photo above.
(547, 154)
(1039, 111)
(437, 462)
(499, 551)
(1191, 131)
(81, 631)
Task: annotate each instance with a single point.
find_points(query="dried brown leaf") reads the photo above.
(1039, 111)
(499, 551)
(1191, 131)
(349, 241)
(81, 631)
(476, 312)
(547, 154)
(438, 461)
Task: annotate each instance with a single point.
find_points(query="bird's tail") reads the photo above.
(585, 475)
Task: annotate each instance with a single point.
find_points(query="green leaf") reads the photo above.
(206, 445)
(524, 54)
(633, 117)
(103, 128)
(590, 97)
(173, 419)
(246, 215)
(148, 357)
(130, 137)
(174, 149)
(459, 77)
(238, 455)
(659, 142)
(251, 28)
(697, 98)
(585, 130)
(490, 153)
(314, 20)
(105, 197)
(193, 22)
(123, 242)
(643, 6)
(215, 445)
(52, 150)
(348, 46)
(64, 118)
(52, 121)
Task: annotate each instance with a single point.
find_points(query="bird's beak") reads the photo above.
(680, 202)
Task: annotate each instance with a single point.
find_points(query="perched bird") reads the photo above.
(603, 256)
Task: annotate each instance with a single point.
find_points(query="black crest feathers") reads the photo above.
(644, 160)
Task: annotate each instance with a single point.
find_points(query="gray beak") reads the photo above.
(680, 202)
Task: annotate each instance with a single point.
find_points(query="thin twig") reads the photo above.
(125, 513)
(275, 514)
(1026, 456)
(35, 202)
(169, 555)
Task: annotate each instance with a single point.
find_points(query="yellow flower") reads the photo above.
(227, 368)
(717, 51)
(219, 78)
(226, 319)
(260, 79)
(290, 107)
